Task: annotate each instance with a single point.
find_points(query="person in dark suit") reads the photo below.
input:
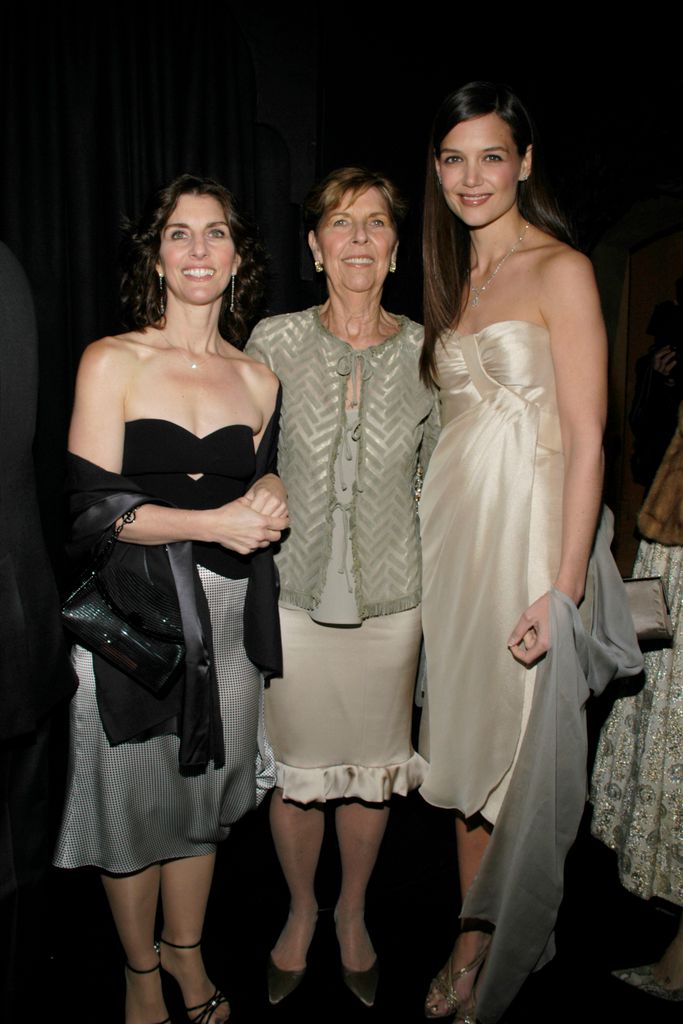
(34, 673)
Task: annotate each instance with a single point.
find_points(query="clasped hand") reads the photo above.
(255, 520)
(530, 639)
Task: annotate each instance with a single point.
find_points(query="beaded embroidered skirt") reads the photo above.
(128, 806)
(637, 788)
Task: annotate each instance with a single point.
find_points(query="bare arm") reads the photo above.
(432, 429)
(97, 434)
(268, 494)
(236, 526)
(98, 419)
(571, 308)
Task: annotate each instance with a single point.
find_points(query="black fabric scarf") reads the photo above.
(189, 706)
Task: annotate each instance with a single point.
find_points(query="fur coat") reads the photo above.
(661, 517)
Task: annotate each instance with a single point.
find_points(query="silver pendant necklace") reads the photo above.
(194, 364)
(476, 292)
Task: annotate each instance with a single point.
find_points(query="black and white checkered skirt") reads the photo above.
(128, 806)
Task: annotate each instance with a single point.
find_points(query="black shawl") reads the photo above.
(188, 705)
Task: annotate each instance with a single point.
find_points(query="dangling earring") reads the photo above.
(162, 299)
(392, 265)
(318, 266)
(232, 294)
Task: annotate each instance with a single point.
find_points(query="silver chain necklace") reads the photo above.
(474, 301)
(194, 364)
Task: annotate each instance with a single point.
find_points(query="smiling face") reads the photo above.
(480, 169)
(355, 242)
(197, 255)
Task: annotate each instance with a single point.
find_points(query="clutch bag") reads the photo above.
(129, 621)
(649, 608)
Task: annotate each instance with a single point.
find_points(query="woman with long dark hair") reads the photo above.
(515, 341)
(172, 437)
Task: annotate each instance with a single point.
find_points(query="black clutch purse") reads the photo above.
(129, 621)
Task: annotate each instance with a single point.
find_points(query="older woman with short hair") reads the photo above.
(356, 423)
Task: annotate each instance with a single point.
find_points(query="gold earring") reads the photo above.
(392, 265)
(318, 267)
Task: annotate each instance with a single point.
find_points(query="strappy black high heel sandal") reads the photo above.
(149, 970)
(204, 1011)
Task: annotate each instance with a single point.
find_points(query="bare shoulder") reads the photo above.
(102, 364)
(97, 422)
(560, 266)
(557, 261)
(103, 350)
(256, 372)
(565, 281)
(569, 304)
(258, 379)
(113, 354)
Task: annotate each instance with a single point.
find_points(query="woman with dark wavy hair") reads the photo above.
(172, 416)
(515, 340)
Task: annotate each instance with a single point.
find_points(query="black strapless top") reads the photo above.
(159, 454)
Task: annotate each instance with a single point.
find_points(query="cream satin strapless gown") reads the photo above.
(491, 519)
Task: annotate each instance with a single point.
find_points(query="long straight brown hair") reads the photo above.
(446, 243)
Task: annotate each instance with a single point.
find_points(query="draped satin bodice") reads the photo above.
(513, 353)
(491, 524)
(510, 354)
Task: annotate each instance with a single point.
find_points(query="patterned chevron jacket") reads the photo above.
(399, 425)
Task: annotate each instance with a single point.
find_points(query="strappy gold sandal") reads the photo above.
(443, 987)
(467, 1014)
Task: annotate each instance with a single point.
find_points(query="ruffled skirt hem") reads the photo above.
(372, 784)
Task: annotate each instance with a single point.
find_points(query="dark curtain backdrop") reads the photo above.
(94, 115)
(97, 111)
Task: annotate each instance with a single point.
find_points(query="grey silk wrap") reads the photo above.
(398, 418)
(520, 881)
